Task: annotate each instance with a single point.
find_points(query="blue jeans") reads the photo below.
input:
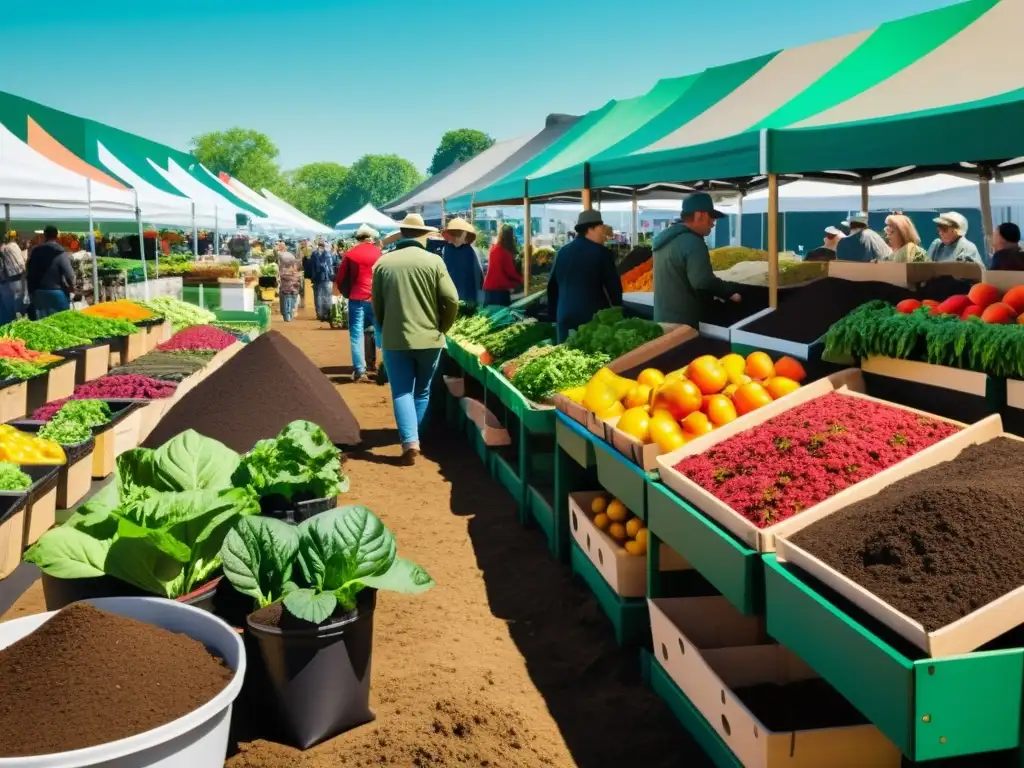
(497, 298)
(322, 299)
(49, 303)
(410, 373)
(360, 314)
(288, 303)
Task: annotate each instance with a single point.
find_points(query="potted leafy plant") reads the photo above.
(296, 474)
(315, 587)
(156, 530)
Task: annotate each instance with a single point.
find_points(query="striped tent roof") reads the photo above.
(910, 96)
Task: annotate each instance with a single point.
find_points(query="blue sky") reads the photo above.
(335, 79)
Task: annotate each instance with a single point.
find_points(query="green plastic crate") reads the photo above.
(621, 478)
(574, 440)
(930, 708)
(629, 616)
(261, 316)
(734, 569)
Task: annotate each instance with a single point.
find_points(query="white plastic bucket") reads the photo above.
(197, 740)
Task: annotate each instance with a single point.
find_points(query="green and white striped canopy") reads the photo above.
(933, 91)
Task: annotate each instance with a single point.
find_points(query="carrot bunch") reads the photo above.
(639, 278)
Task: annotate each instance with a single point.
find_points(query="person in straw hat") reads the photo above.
(355, 282)
(461, 259)
(415, 303)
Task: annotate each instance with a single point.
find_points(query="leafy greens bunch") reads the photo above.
(300, 462)
(562, 368)
(610, 334)
(159, 526)
(320, 565)
(512, 341)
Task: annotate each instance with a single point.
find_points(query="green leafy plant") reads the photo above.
(558, 370)
(159, 526)
(301, 462)
(319, 565)
(12, 478)
(609, 333)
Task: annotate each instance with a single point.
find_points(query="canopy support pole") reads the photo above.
(444, 214)
(985, 192)
(7, 218)
(216, 231)
(527, 246)
(585, 194)
(142, 247)
(864, 197)
(92, 245)
(195, 233)
(472, 213)
(773, 240)
(738, 235)
(634, 223)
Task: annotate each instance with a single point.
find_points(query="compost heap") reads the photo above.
(89, 677)
(255, 395)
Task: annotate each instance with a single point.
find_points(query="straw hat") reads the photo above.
(415, 222)
(365, 231)
(460, 225)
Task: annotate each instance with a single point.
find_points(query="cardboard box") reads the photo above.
(710, 650)
(95, 363)
(74, 482)
(849, 383)
(56, 384)
(40, 515)
(626, 574)
(14, 400)
(493, 433)
(12, 531)
(962, 636)
(903, 273)
(956, 379)
(456, 385)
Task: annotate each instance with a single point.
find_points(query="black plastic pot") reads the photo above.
(203, 597)
(58, 593)
(294, 512)
(319, 676)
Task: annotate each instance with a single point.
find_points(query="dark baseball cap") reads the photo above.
(701, 202)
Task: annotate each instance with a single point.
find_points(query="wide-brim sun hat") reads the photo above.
(835, 232)
(366, 231)
(460, 225)
(416, 223)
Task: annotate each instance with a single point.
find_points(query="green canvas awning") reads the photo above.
(919, 93)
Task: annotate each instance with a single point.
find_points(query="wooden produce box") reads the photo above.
(709, 650)
(1013, 414)
(626, 574)
(962, 636)
(114, 438)
(94, 362)
(951, 392)
(12, 531)
(157, 334)
(905, 274)
(14, 399)
(491, 430)
(148, 413)
(56, 384)
(41, 509)
(849, 383)
(674, 336)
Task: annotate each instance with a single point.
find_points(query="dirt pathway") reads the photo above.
(506, 662)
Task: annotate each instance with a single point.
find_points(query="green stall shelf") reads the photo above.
(261, 316)
(542, 512)
(574, 440)
(570, 477)
(629, 616)
(930, 708)
(535, 420)
(476, 441)
(505, 467)
(730, 566)
(621, 477)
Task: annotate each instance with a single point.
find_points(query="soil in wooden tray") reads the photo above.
(801, 706)
(257, 393)
(724, 312)
(809, 312)
(89, 677)
(939, 544)
(807, 454)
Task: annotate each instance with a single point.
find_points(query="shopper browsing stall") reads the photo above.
(461, 259)
(903, 239)
(952, 243)
(50, 276)
(289, 283)
(355, 281)
(502, 275)
(863, 244)
(415, 303)
(583, 279)
(827, 250)
(321, 274)
(12, 278)
(1007, 253)
(682, 264)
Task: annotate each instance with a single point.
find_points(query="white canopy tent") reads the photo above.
(370, 216)
(307, 223)
(200, 194)
(275, 222)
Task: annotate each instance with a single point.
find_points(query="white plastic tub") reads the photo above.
(197, 740)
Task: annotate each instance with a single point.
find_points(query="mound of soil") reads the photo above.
(89, 677)
(255, 394)
(939, 544)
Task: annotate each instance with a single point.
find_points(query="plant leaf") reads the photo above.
(190, 461)
(403, 576)
(137, 468)
(310, 605)
(258, 555)
(67, 553)
(343, 545)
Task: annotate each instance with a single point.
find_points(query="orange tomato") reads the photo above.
(750, 397)
(697, 424)
(790, 368)
(636, 423)
(638, 396)
(760, 366)
(651, 377)
(665, 432)
(720, 410)
(679, 397)
(780, 386)
(708, 374)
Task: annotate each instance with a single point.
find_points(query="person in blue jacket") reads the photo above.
(583, 279)
(462, 260)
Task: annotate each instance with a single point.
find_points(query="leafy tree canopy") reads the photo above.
(457, 145)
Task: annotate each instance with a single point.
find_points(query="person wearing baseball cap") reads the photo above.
(827, 251)
(682, 264)
(583, 280)
(355, 283)
(863, 244)
(952, 243)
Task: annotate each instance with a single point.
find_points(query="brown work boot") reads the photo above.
(409, 457)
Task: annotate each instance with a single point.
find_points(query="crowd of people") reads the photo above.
(35, 281)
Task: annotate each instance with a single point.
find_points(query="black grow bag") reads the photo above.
(58, 593)
(318, 676)
(294, 512)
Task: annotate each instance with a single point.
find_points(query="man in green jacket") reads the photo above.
(415, 302)
(682, 264)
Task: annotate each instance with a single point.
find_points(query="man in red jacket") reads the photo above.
(355, 278)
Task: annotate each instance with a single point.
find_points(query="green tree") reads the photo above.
(375, 179)
(316, 188)
(248, 155)
(460, 144)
